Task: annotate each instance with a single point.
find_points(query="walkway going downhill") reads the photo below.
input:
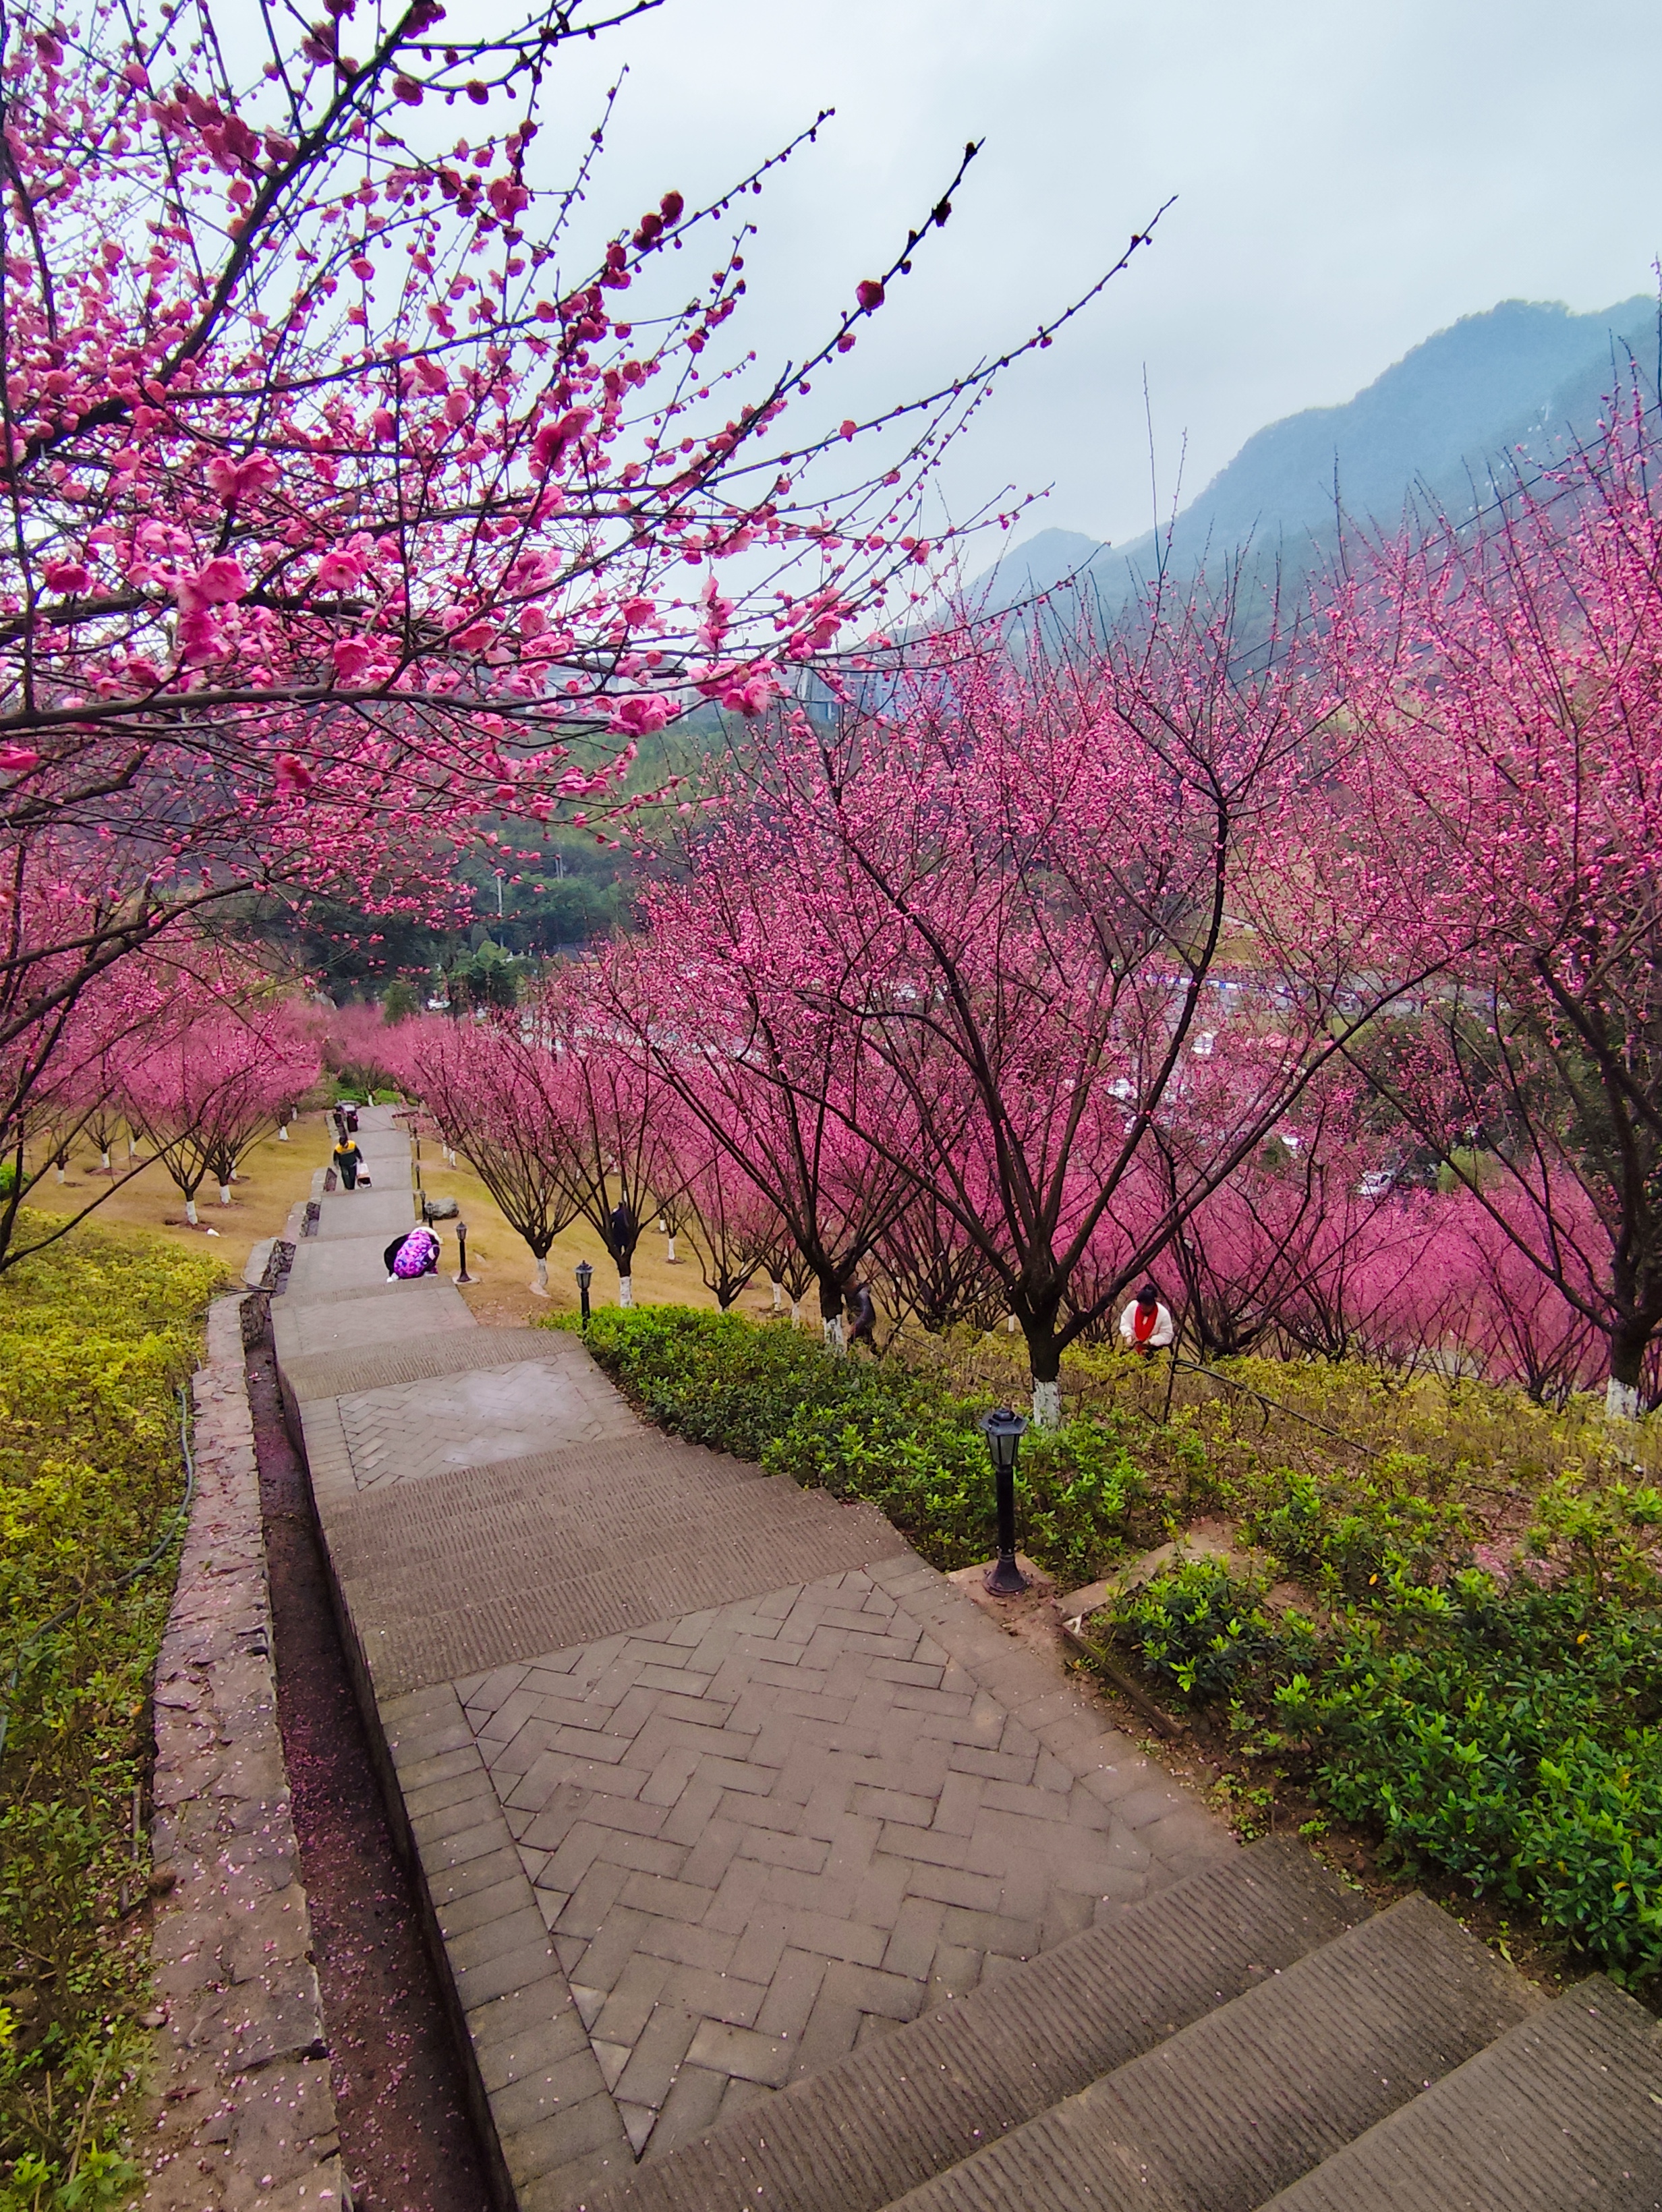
(764, 1868)
(711, 1779)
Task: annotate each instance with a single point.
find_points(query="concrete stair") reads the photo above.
(1565, 2110)
(1245, 2039)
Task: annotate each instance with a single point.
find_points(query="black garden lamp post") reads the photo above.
(585, 1277)
(461, 1239)
(1004, 1432)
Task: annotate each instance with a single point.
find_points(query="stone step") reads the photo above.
(1246, 2100)
(460, 1570)
(347, 1321)
(384, 1210)
(1562, 2111)
(354, 1264)
(918, 2101)
(417, 1357)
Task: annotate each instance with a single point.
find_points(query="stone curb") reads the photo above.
(244, 2107)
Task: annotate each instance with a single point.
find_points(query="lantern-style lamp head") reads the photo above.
(1003, 1430)
(585, 1274)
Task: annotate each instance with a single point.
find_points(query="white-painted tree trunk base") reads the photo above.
(1011, 1326)
(1621, 1401)
(625, 1291)
(1047, 1404)
(836, 1343)
(104, 1162)
(60, 1174)
(190, 1212)
(796, 1313)
(225, 1193)
(778, 1297)
(282, 1134)
(670, 1254)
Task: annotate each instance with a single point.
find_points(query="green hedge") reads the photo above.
(1506, 1735)
(97, 1334)
(883, 1432)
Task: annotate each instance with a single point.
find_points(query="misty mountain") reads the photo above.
(1433, 427)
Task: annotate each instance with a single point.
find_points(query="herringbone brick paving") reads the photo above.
(509, 1411)
(763, 1834)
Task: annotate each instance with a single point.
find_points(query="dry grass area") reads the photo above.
(505, 1269)
(273, 1176)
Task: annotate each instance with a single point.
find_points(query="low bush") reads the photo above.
(97, 1334)
(1196, 1627)
(1509, 1737)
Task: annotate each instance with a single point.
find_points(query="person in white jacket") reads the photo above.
(1146, 1326)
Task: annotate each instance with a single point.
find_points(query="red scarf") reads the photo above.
(1144, 1322)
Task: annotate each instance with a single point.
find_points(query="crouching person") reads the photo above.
(414, 1254)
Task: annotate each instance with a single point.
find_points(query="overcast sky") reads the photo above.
(1348, 180)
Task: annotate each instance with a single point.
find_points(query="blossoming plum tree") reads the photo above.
(499, 1098)
(1004, 924)
(1507, 677)
(216, 1078)
(339, 514)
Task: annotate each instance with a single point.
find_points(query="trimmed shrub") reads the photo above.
(97, 1334)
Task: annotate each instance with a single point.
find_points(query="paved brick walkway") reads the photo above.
(710, 1779)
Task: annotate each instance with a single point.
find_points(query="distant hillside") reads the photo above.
(1523, 375)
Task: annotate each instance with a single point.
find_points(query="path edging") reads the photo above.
(244, 2107)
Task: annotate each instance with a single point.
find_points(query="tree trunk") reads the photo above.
(1045, 1362)
(104, 1160)
(778, 1295)
(830, 1316)
(190, 1212)
(625, 1291)
(669, 1257)
(283, 1133)
(1628, 1350)
(225, 1193)
(1047, 1403)
(541, 1286)
(796, 1313)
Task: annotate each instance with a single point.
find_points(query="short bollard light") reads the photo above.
(461, 1240)
(1004, 1431)
(585, 1277)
